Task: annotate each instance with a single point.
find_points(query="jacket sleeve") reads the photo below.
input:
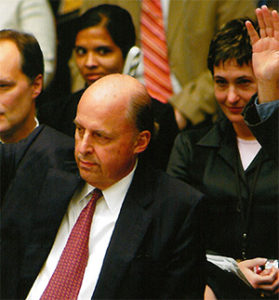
(7, 167)
(186, 267)
(264, 125)
(180, 158)
(10, 156)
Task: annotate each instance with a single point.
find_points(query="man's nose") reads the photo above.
(86, 144)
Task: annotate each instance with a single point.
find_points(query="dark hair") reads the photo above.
(116, 20)
(272, 4)
(32, 61)
(141, 112)
(231, 42)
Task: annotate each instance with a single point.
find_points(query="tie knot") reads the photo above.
(96, 194)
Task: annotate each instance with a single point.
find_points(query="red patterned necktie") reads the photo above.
(155, 53)
(67, 278)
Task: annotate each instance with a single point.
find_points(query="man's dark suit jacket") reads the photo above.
(60, 113)
(155, 250)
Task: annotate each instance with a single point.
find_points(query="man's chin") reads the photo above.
(88, 173)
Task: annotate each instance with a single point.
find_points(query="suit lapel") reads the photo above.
(47, 218)
(64, 184)
(228, 151)
(131, 226)
(222, 137)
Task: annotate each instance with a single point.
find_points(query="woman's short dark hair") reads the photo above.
(116, 20)
(32, 61)
(231, 42)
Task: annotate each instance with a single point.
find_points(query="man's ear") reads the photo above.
(142, 141)
(37, 85)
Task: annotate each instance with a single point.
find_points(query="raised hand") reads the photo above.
(266, 53)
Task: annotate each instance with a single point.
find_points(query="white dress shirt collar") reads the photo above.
(113, 195)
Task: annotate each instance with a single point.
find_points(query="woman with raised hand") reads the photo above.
(235, 163)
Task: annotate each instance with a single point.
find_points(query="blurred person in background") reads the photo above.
(34, 17)
(21, 82)
(189, 27)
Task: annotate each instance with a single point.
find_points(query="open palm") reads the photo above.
(266, 46)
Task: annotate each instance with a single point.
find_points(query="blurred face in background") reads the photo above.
(234, 86)
(96, 54)
(17, 95)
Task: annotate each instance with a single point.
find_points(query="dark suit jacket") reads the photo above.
(155, 250)
(60, 114)
(208, 158)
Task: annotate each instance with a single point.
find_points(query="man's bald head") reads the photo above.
(114, 124)
(125, 93)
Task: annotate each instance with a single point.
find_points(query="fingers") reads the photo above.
(257, 261)
(275, 18)
(265, 21)
(269, 282)
(268, 22)
(266, 281)
(254, 37)
(251, 263)
(261, 23)
(270, 289)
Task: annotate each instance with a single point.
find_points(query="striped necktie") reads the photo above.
(67, 278)
(155, 54)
